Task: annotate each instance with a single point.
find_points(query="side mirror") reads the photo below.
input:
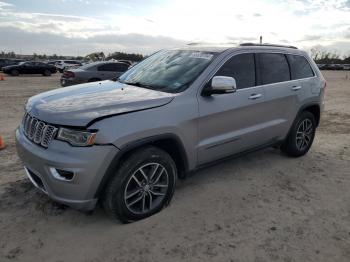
(220, 85)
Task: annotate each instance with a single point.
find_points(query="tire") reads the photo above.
(14, 72)
(301, 135)
(60, 70)
(47, 73)
(94, 80)
(129, 197)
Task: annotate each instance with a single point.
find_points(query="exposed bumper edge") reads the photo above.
(84, 205)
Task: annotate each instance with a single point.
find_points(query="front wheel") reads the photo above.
(143, 184)
(14, 72)
(301, 135)
(47, 73)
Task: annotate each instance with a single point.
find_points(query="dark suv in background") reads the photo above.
(9, 61)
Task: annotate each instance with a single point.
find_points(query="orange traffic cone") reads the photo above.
(2, 78)
(2, 143)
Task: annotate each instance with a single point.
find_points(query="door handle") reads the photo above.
(255, 96)
(296, 88)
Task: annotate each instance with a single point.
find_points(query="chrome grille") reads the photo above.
(38, 131)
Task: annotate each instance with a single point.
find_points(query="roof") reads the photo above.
(268, 45)
(205, 48)
(223, 47)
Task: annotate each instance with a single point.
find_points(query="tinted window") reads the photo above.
(105, 67)
(273, 68)
(121, 67)
(241, 68)
(114, 67)
(299, 67)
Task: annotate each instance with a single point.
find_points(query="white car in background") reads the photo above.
(65, 64)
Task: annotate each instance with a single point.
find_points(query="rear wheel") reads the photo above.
(142, 185)
(301, 135)
(14, 72)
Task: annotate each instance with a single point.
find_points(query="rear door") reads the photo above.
(121, 68)
(111, 70)
(305, 82)
(106, 71)
(40, 68)
(281, 93)
(230, 123)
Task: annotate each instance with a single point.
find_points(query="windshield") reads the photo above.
(168, 70)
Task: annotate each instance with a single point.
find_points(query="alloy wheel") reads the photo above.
(304, 134)
(146, 188)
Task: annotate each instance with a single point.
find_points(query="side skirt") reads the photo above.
(272, 143)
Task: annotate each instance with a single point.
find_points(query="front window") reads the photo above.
(168, 70)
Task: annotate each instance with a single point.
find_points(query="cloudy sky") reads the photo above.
(78, 27)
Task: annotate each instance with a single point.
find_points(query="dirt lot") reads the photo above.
(261, 207)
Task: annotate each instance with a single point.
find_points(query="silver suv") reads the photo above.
(125, 142)
(93, 72)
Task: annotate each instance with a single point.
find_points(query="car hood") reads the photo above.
(79, 105)
(9, 67)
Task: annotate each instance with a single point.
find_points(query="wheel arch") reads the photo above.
(167, 142)
(313, 108)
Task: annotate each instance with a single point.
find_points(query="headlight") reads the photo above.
(75, 137)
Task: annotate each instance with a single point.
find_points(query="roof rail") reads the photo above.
(271, 45)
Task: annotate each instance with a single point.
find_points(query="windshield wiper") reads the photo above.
(138, 84)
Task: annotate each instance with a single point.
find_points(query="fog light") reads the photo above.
(60, 174)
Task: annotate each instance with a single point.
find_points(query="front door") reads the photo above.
(28, 68)
(234, 122)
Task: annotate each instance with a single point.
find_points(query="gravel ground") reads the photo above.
(260, 207)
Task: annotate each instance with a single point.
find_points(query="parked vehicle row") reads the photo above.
(74, 72)
(93, 72)
(334, 66)
(30, 68)
(62, 65)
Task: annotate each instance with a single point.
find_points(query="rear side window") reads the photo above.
(113, 67)
(72, 62)
(273, 68)
(121, 67)
(299, 67)
(242, 68)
